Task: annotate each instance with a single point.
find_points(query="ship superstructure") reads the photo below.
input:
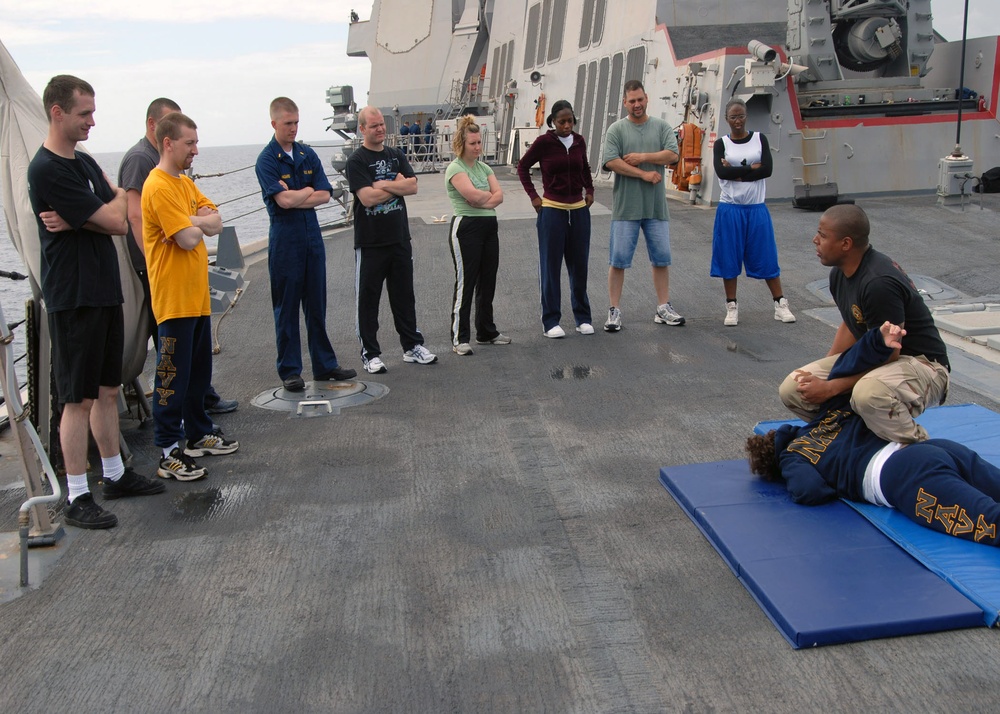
(861, 94)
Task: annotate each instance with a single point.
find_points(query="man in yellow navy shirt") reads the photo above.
(176, 217)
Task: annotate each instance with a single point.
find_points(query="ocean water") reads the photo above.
(225, 174)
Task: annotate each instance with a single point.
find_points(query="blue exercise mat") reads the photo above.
(972, 568)
(823, 575)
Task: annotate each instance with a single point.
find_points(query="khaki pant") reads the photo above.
(887, 398)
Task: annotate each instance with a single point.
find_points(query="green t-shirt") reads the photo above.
(479, 174)
(633, 198)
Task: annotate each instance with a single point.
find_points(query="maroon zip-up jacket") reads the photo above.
(566, 174)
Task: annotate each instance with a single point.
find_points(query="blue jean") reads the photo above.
(625, 237)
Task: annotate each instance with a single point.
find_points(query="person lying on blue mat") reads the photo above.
(937, 483)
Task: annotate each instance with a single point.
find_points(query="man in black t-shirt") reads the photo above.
(78, 210)
(870, 289)
(380, 176)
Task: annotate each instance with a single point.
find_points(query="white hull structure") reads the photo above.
(857, 93)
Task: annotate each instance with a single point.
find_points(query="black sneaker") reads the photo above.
(293, 383)
(84, 512)
(336, 374)
(131, 484)
(180, 466)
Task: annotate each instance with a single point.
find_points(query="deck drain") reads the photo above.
(320, 398)
(208, 504)
(574, 371)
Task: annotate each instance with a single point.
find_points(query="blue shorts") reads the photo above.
(625, 236)
(744, 235)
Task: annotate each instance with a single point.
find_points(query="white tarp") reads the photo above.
(23, 128)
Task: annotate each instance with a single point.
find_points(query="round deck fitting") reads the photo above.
(320, 398)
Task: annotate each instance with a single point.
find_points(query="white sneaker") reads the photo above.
(732, 314)
(555, 332)
(781, 311)
(667, 315)
(374, 365)
(585, 328)
(420, 355)
(462, 349)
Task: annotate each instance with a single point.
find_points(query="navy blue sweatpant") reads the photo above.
(946, 486)
(183, 376)
(563, 235)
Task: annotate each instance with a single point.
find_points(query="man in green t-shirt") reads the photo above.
(637, 149)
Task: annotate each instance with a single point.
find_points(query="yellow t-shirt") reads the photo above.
(178, 278)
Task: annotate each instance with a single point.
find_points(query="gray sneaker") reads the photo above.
(667, 315)
(614, 322)
(500, 339)
(211, 445)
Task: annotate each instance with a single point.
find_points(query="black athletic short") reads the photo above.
(87, 345)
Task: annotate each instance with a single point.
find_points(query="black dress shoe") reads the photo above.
(222, 406)
(293, 383)
(336, 375)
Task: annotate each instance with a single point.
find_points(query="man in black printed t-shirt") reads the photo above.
(870, 289)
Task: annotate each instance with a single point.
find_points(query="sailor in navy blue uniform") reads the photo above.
(293, 183)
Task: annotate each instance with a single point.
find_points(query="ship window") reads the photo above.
(588, 99)
(543, 31)
(616, 105)
(581, 81)
(599, 9)
(497, 68)
(558, 27)
(587, 23)
(635, 63)
(531, 37)
(508, 72)
(600, 116)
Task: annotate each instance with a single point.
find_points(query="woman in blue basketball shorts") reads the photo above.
(743, 233)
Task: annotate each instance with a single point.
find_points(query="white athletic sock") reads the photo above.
(168, 449)
(113, 467)
(77, 486)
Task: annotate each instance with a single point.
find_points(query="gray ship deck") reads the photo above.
(491, 535)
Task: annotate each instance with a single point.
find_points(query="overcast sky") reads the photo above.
(223, 61)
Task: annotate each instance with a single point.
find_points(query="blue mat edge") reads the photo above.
(991, 614)
(805, 639)
(991, 611)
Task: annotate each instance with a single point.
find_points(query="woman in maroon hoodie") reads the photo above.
(563, 217)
